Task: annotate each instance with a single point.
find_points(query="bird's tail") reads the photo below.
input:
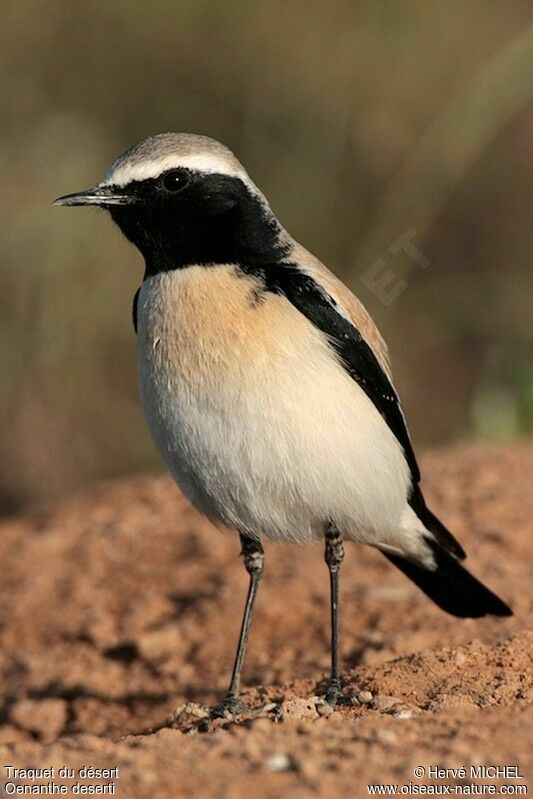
(433, 565)
(450, 585)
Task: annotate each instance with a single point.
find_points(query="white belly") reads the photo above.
(260, 426)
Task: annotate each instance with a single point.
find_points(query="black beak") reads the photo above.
(99, 195)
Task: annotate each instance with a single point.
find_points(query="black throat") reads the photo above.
(215, 219)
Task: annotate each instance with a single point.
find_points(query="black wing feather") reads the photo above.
(135, 308)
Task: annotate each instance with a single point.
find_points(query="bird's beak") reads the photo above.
(99, 195)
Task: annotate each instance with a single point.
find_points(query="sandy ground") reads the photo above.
(122, 605)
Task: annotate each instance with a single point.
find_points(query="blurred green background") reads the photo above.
(361, 121)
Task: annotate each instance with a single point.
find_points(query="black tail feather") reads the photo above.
(430, 522)
(452, 587)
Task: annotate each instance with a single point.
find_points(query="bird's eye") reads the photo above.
(174, 181)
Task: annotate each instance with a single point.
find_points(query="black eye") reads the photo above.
(174, 181)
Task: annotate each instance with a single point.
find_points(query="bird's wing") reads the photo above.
(333, 309)
(309, 294)
(345, 299)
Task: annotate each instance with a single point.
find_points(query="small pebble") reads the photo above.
(297, 709)
(404, 714)
(385, 703)
(364, 697)
(278, 762)
(191, 708)
(324, 709)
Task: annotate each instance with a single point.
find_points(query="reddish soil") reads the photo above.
(122, 605)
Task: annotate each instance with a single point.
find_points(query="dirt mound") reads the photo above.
(118, 618)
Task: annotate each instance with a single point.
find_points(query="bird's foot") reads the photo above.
(231, 706)
(333, 692)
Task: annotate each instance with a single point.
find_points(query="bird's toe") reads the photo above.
(231, 707)
(333, 692)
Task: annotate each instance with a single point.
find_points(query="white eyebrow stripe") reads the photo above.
(143, 170)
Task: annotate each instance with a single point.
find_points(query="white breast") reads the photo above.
(259, 424)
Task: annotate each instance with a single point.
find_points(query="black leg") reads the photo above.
(254, 558)
(334, 555)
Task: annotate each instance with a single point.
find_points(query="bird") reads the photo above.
(266, 384)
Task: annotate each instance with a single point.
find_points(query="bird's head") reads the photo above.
(185, 199)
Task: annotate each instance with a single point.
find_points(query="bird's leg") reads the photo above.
(254, 558)
(334, 555)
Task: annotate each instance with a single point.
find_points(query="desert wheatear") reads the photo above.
(265, 382)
